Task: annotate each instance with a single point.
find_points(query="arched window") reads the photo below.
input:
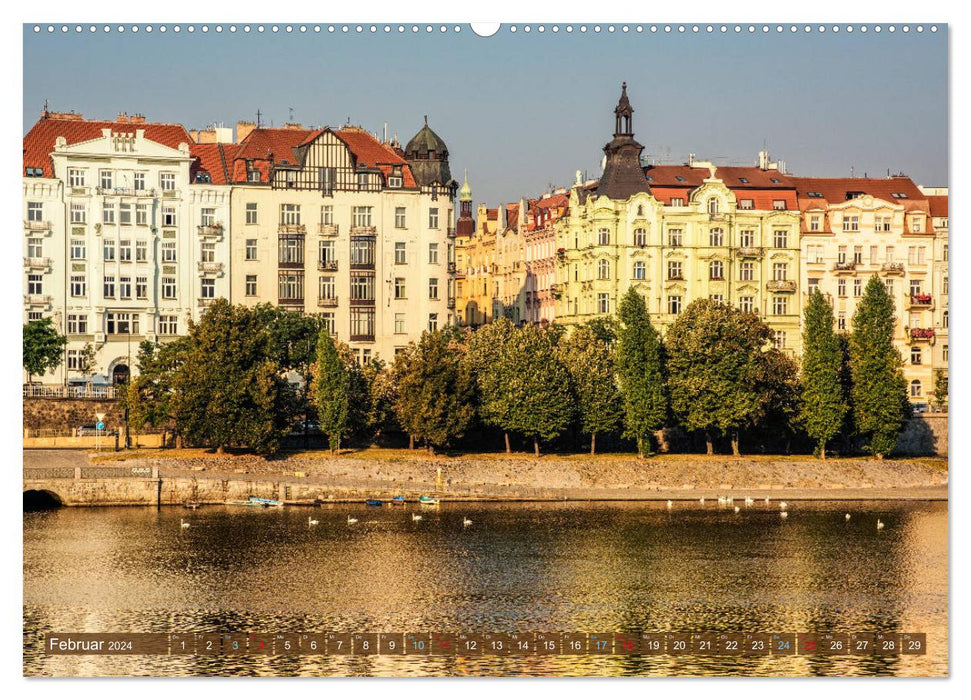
(603, 270)
(915, 389)
(713, 205)
(716, 237)
(945, 319)
(639, 270)
(716, 270)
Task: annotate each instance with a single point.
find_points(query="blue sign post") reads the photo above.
(100, 425)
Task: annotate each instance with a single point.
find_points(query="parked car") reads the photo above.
(91, 430)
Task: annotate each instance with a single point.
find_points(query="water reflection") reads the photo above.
(523, 567)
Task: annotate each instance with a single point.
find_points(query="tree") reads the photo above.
(230, 391)
(590, 363)
(86, 360)
(640, 370)
(539, 389)
(715, 369)
(488, 348)
(879, 390)
(824, 404)
(330, 391)
(778, 415)
(434, 390)
(150, 397)
(43, 348)
(940, 390)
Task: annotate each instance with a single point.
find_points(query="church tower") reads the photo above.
(465, 226)
(623, 175)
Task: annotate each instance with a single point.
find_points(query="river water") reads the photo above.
(590, 567)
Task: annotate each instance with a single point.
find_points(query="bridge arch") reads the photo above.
(41, 499)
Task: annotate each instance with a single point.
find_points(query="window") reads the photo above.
(674, 270)
(746, 304)
(290, 285)
(780, 271)
(841, 288)
(168, 325)
(674, 237)
(251, 285)
(251, 213)
(124, 214)
(400, 253)
(168, 252)
(882, 224)
(75, 177)
(399, 217)
(35, 284)
(208, 216)
(603, 269)
(433, 322)
(399, 288)
(74, 360)
(433, 217)
(780, 305)
(720, 298)
(35, 315)
(716, 237)
(77, 324)
(79, 286)
(141, 287)
(139, 181)
(640, 237)
(121, 323)
(716, 270)
(327, 215)
(433, 288)
(79, 214)
(746, 204)
(917, 224)
(166, 181)
(108, 213)
(857, 255)
(109, 286)
(169, 217)
(674, 305)
(944, 353)
(326, 252)
(944, 319)
(124, 250)
(207, 253)
(603, 237)
(289, 214)
(841, 255)
(433, 253)
(944, 285)
(362, 181)
(915, 355)
(290, 179)
(362, 216)
(208, 288)
(35, 248)
(291, 249)
(677, 201)
(640, 270)
(779, 339)
(253, 176)
(330, 323)
(326, 289)
(851, 223)
(746, 238)
(168, 288)
(780, 238)
(78, 249)
(944, 253)
(841, 321)
(890, 252)
(915, 389)
(812, 285)
(124, 287)
(35, 211)
(889, 285)
(779, 204)
(746, 271)
(106, 178)
(251, 249)
(915, 287)
(712, 206)
(603, 303)
(141, 251)
(857, 287)
(362, 252)
(814, 222)
(399, 323)
(109, 250)
(141, 215)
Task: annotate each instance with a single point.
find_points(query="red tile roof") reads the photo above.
(260, 143)
(755, 177)
(39, 141)
(216, 159)
(938, 204)
(681, 176)
(834, 190)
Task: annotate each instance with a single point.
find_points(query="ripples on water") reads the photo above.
(519, 567)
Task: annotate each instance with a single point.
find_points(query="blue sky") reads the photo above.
(522, 111)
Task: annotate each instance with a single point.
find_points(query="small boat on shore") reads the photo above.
(428, 500)
(374, 502)
(255, 502)
(398, 501)
(191, 505)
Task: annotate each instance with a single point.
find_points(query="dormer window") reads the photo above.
(746, 204)
(815, 195)
(854, 195)
(899, 195)
(679, 178)
(394, 179)
(253, 176)
(362, 181)
(743, 180)
(774, 180)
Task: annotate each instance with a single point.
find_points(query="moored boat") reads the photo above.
(398, 501)
(427, 500)
(374, 502)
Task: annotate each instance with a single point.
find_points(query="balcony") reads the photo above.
(297, 303)
(675, 278)
(749, 252)
(37, 226)
(295, 229)
(921, 301)
(79, 191)
(844, 267)
(921, 334)
(781, 285)
(37, 299)
(327, 302)
(717, 216)
(362, 265)
(37, 263)
(451, 302)
(327, 229)
(362, 302)
(127, 192)
(892, 268)
(171, 194)
(364, 230)
(204, 302)
(362, 338)
(210, 230)
(209, 267)
(327, 265)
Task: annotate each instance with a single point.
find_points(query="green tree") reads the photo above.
(488, 348)
(434, 390)
(879, 390)
(230, 391)
(590, 363)
(640, 370)
(779, 413)
(940, 389)
(150, 396)
(86, 360)
(43, 348)
(716, 369)
(331, 384)
(539, 387)
(824, 404)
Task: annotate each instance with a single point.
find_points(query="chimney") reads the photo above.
(763, 159)
(293, 125)
(137, 119)
(70, 116)
(122, 118)
(243, 130)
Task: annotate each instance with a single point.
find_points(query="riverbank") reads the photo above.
(208, 477)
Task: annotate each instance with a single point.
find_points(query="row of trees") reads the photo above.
(244, 376)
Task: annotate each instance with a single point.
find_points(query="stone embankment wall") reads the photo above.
(924, 435)
(71, 413)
